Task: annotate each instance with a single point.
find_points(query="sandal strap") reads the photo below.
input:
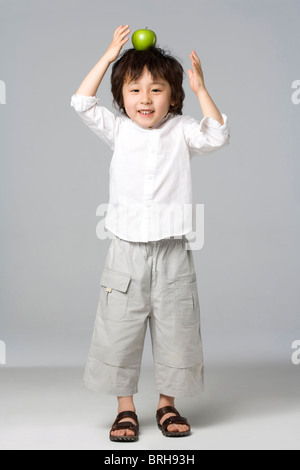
(126, 424)
(178, 419)
(126, 414)
(173, 420)
(166, 409)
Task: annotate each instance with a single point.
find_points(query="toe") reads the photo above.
(172, 428)
(184, 428)
(178, 428)
(122, 433)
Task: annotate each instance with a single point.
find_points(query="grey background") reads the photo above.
(54, 173)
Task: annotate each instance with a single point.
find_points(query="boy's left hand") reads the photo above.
(196, 75)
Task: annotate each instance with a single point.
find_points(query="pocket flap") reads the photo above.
(116, 281)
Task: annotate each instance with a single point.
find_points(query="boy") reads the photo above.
(149, 274)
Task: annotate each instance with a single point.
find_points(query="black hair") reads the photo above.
(161, 64)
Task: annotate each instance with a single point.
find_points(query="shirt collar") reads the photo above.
(160, 123)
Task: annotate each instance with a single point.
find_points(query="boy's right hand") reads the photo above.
(118, 42)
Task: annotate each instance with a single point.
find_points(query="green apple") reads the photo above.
(142, 39)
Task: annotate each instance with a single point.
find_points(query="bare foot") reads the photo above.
(170, 401)
(125, 404)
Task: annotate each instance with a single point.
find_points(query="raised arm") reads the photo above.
(92, 81)
(197, 85)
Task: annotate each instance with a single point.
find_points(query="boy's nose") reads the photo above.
(146, 100)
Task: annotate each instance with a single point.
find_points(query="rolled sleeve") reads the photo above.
(99, 119)
(207, 136)
(81, 103)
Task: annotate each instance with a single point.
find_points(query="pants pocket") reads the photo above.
(114, 295)
(186, 300)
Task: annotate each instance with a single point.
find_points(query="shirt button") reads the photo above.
(150, 177)
(149, 204)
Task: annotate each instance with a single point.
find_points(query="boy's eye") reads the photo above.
(155, 90)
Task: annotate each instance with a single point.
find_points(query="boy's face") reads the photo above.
(147, 101)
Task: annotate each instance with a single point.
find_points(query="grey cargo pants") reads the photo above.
(141, 282)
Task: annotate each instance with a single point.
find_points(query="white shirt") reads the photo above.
(150, 171)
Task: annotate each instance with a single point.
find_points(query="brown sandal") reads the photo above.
(125, 425)
(171, 420)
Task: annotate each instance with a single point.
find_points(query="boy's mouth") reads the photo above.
(145, 112)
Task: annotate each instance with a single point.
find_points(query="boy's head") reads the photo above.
(147, 85)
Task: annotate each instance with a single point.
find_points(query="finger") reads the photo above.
(196, 64)
(117, 32)
(120, 31)
(124, 28)
(119, 28)
(124, 33)
(195, 57)
(127, 31)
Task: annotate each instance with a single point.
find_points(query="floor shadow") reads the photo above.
(246, 390)
(232, 392)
